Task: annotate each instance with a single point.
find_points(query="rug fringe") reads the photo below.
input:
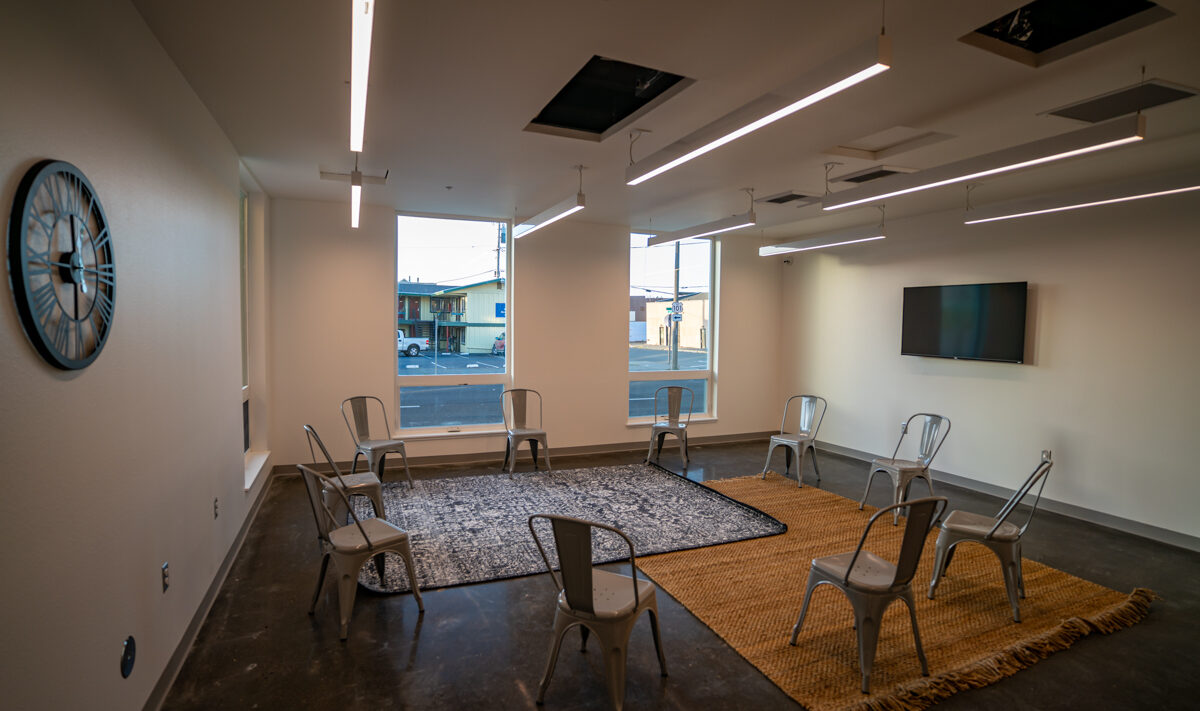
(923, 693)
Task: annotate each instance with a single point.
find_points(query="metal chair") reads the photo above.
(605, 603)
(872, 583)
(351, 545)
(375, 450)
(904, 471)
(364, 484)
(1002, 537)
(514, 406)
(803, 440)
(672, 425)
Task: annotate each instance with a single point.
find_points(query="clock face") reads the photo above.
(60, 263)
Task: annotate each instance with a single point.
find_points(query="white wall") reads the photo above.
(112, 470)
(1111, 383)
(331, 315)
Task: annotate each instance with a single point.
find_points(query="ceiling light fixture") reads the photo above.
(550, 215)
(708, 229)
(1122, 191)
(837, 75)
(355, 196)
(1087, 140)
(855, 235)
(362, 17)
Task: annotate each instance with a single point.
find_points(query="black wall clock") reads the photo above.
(60, 264)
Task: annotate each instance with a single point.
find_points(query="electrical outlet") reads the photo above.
(166, 572)
(128, 654)
(216, 508)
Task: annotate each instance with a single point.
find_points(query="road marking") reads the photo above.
(407, 406)
(640, 398)
(412, 366)
(472, 365)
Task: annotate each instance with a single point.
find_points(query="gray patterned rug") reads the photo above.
(473, 529)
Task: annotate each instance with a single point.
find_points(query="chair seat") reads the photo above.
(978, 525)
(380, 445)
(351, 482)
(348, 539)
(790, 438)
(612, 595)
(522, 432)
(871, 573)
(897, 465)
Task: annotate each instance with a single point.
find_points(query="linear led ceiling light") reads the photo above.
(1091, 196)
(550, 215)
(1113, 133)
(830, 78)
(708, 229)
(854, 235)
(362, 17)
(355, 196)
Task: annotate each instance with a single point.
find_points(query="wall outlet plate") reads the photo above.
(128, 654)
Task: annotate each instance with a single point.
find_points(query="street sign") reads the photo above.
(677, 307)
(499, 309)
(676, 317)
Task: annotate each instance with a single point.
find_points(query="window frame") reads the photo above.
(709, 412)
(504, 379)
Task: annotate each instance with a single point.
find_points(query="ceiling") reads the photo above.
(453, 84)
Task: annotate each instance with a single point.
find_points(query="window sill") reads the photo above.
(256, 463)
(448, 434)
(646, 421)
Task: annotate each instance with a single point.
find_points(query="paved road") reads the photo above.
(450, 405)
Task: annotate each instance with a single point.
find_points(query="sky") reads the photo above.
(457, 252)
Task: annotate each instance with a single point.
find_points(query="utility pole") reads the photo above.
(674, 363)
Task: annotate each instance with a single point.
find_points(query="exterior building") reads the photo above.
(455, 319)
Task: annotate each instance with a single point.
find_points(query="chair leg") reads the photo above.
(615, 641)
(354, 464)
(812, 585)
(1008, 565)
(770, 451)
(1020, 571)
(787, 461)
(816, 468)
(583, 635)
(347, 588)
(560, 629)
(533, 447)
(320, 582)
(407, 473)
(510, 456)
(376, 463)
(870, 478)
(662, 437)
(410, 566)
(912, 613)
(940, 560)
(867, 613)
(899, 493)
(662, 661)
(546, 455)
(380, 568)
(650, 449)
(377, 503)
(682, 436)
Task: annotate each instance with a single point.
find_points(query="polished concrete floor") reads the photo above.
(484, 646)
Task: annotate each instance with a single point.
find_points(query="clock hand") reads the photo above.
(79, 252)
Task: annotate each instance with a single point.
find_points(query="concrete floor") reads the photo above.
(484, 646)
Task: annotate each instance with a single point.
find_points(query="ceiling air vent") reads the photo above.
(790, 198)
(866, 175)
(603, 97)
(1043, 31)
(1131, 99)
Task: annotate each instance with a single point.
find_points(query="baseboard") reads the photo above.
(159, 693)
(1137, 528)
(394, 465)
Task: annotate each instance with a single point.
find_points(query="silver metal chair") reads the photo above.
(1002, 537)
(605, 603)
(375, 449)
(803, 440)
(934, 429)
(514, 405)
(671, 425)
(872, 583)
(363, 484)
(350, 546)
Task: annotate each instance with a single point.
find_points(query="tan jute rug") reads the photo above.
(750, 593)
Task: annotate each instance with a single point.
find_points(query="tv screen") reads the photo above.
(968, 321)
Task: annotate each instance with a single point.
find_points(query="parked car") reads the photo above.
(411, 347)
(498, 345)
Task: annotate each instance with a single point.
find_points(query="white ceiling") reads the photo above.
(454, 83)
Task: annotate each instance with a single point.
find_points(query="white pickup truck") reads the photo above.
(410, 346)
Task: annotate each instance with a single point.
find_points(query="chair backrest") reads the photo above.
(1040, 474)
(311, 435)
(573, 545)
(812, 407)
(515, 408)
(319, 489)
(934, 429)
(360, 430)
(674, 403)
(923, 515)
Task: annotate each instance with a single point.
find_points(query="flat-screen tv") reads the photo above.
(966, 321)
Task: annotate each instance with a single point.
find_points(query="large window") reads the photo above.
(670, 321)
(451, 321)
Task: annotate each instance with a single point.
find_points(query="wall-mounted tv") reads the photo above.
(966, 321)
